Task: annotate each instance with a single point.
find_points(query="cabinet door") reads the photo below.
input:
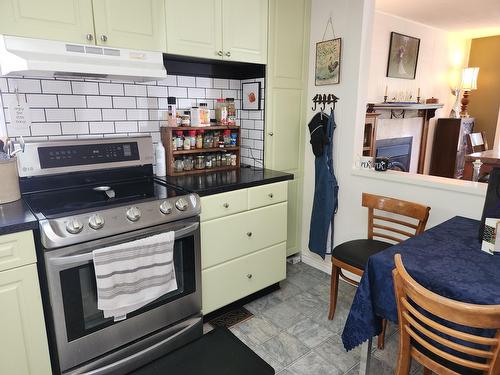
(244, 30)
(286, 102)
(23, 339)
(194, 28)
(134, 24)
(66, 20)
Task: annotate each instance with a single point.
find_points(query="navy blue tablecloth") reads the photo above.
(446, 259)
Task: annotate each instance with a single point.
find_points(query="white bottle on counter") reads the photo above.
(161, 165)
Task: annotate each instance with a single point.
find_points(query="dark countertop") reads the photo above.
(221, 182)
(16, 217)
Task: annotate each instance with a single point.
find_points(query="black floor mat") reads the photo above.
(218, 352)
(231, 318)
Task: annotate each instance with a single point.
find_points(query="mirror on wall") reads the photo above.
(433, 103)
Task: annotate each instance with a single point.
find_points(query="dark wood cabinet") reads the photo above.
(449, 147)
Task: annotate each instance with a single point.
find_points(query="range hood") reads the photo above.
(48, 58)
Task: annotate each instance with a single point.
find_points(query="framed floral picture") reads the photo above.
(403, 56)
(328, 55)
(251, 96)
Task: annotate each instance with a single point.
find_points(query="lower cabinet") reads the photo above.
(242, 252)
(23, 342)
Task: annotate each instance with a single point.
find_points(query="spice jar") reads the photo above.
(227, 138)
(234, 139)
(218, 140)
(231, 111)
(179, 140)
(200, 162)
(227, 159)
(187, 143)
(221, 112)
(208, 141)
(178, 165)
(219, 160)
(188, 163)
(204, 114)
(209, 161)
(192, 138)
(172, 111)
(233, 160)
(185, 119)
(199, 138)
(195, 116)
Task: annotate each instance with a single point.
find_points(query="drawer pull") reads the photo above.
(226, 205)
(249, 234)
(271, 195)
(249, 276)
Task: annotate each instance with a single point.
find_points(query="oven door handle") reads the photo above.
(86, 257)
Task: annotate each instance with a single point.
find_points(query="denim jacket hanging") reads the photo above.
(325, 191)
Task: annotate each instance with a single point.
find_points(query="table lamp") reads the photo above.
(469, 83)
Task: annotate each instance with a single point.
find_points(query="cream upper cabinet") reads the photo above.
(218, 29)
(286, 101)
(66, 20)
(194, 28)
(134, 24)
(244, 30)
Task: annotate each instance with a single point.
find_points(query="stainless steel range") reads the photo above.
(89, 194)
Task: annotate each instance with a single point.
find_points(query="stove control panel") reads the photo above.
(65, 231)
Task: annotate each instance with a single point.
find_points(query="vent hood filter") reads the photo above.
(47, 58)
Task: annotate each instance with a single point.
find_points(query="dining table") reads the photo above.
(446, 259)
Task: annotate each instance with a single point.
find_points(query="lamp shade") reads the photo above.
(469, 78)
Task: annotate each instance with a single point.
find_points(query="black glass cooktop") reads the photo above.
(97, 196)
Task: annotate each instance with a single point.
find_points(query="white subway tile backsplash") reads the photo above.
(255, 134)
(230, 94)
(24, 85)
(102, 127)
(75, 128)
(204, 82)
(41, 101)
(56, 87)
(255, 115)
(247, 124)
(148, 102)
(137, 114)
(88, 115)
(213, 94)
(196, 93)
(60, 114)
(135, 90)
(45, 128)
(221, 83)
(185, 81)
(37, 115)
(259, 145)
(72, 101)
(234, 84)
(3, 85)
(125, 126)
(185, 103)
(124, 102)
(14, 131)
(111, 89)
(114, 114)
(259, 124)
(149, 126)
(171, 80)
(99, 102)
(178, 92)
(85, 88)
(157, 91)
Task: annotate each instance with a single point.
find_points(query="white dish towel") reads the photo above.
(133, 274)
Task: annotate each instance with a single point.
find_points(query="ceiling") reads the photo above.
(475, 18)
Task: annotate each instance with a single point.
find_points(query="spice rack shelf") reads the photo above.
(171, 153)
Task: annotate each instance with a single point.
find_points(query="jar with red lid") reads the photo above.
(192, 138)
(179, 140)
(227, 138)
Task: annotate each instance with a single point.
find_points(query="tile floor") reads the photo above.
(291, 332)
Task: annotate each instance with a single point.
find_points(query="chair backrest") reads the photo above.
(393, 228)
(476, 142)
(422, 328)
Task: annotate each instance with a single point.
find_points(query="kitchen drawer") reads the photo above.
(228, 282)
(16, 249)
(219, 205)
(265, 195)
(241, 234)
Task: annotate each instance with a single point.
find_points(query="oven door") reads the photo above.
(81, 331)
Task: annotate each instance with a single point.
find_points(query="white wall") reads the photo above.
(353, 22)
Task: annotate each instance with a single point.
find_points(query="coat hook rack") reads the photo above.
(323, 100)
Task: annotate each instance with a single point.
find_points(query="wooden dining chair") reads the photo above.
(419, 333)
(385, 221)
(476, 142)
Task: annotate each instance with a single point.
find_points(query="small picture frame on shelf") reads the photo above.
(251, 96)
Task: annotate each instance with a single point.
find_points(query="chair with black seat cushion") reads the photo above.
(385, 221)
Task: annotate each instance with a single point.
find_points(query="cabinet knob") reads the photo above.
(271, 133)
(104, 38)
(249, 276)
(226, 205)
(89, 37)
(228, 54)
(220, 53)
(249, 234)
(271, 195)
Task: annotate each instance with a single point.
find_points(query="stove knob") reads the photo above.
(96, 221)
(133, 214)
(74, 226)
(181, 204)
(166, 207)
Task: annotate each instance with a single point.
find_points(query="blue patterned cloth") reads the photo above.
(446, 259)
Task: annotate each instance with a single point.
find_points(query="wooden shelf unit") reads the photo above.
(370, 134)
(168, 133)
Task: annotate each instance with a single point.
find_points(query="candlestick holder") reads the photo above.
(385, 98)
(418, 99)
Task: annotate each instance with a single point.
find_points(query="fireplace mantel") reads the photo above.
(402, 106)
